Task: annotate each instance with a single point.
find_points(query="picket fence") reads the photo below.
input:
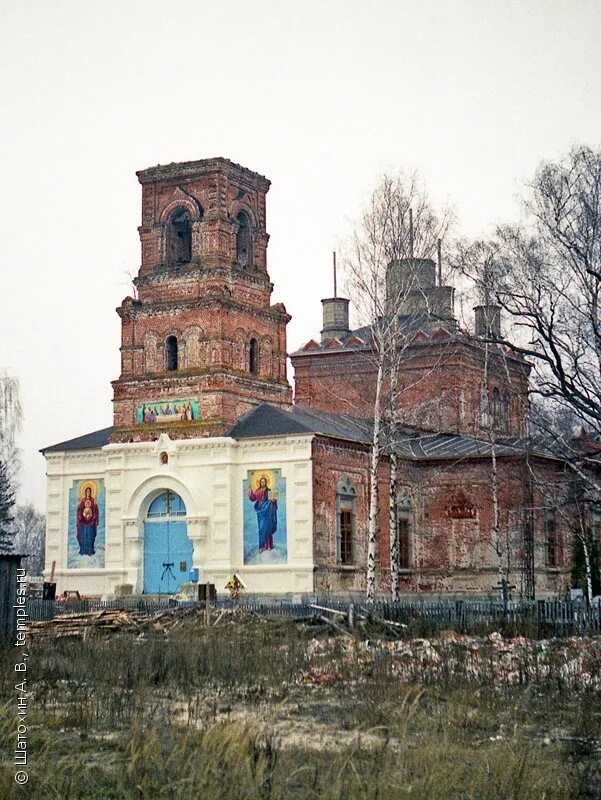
(549, 617)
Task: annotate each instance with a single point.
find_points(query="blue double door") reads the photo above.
(167, 548)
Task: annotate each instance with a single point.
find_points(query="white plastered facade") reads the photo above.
(208, 474)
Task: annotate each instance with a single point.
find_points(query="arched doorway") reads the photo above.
(167, 548)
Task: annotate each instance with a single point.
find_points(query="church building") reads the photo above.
(212, 463)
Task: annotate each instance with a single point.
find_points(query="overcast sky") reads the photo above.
(320, 97)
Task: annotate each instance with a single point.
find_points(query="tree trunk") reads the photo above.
(372, 531)
(494, 477)
(393, 532)
(589, 571)
(496, 527)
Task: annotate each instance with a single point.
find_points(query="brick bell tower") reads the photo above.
(201, 343)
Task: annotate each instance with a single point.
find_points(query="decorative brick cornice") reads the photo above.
(174, 380)
(456, 343)
(191, 169)
(199, 269)
(139, 310)
(145, 434)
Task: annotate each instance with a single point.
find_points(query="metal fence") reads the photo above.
(544, 617)
(39, 609)
(540, 617)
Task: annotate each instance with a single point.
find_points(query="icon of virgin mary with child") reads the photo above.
(87, 523)
(267, 513)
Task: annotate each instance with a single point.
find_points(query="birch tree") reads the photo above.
(7, 502)
(553, 291)
(576, 512)
(398, 225)
(30, 535)
(482, 263)
(11, 417)
(10, 423)
(550, 284)
(547, 280)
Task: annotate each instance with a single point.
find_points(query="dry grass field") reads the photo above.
(259, 708)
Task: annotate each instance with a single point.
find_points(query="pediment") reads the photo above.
(164, 443)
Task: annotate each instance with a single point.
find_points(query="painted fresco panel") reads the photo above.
(265, 533)
(87, 522)
(168, 411)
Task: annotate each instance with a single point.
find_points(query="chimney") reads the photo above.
(441, 302)
(488, 321)
(335, 319)
(412, 289)
(408, 275)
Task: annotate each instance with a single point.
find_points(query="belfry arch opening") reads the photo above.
(171, 353)
(243, 241)
(253, 356)
(179, 237)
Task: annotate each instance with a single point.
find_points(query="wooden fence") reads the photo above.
(10, 565)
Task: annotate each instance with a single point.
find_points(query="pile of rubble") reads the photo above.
(81, 624)
(120, 620)
(573, 662)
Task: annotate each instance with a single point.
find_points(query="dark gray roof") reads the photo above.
(543, 444)
(90, 441)
(419, 445)
(422, 445)
(267, 420)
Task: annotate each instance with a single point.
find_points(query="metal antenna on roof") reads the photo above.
(440, 262)
(411, 233)
(335, 289)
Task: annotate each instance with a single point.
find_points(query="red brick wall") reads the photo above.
(332, 461)
(441, 383)
(212, 305)
(213, 191)
(448, 554)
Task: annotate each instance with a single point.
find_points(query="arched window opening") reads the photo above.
(484, 408)
(240, 351)
(152, 361)
(346, 522)
(192, 343)
(551, 538)
(403, 534)
(171, 353)
(243, 241)
(179, 237)
(496, 408)
(403, 529)
(266, 357)
(506, 410)
(253, 356)
(596, 530)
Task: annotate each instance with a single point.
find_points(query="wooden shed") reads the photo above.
(9, 564)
